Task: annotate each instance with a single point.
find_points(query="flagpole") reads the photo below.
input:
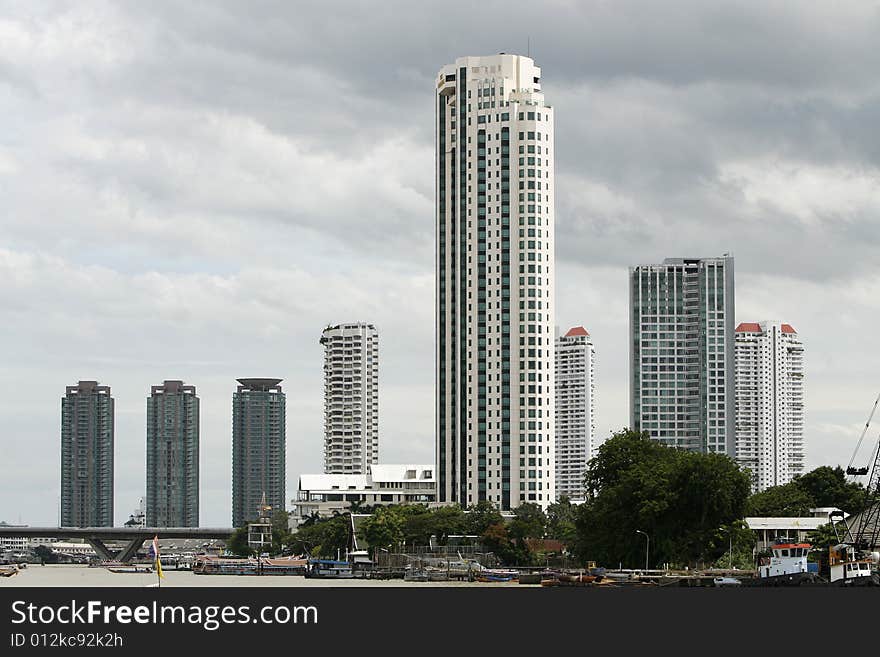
(157, 564)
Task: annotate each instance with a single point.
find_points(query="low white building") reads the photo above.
(74, 549)
(382, 484)
(767, 530)
(21, 543)
(13, 544)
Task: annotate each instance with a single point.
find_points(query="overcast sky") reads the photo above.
(194, 190)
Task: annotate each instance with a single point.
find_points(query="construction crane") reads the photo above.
(853, 560)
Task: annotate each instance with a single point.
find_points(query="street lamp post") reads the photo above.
(647, 546)
(729, 546)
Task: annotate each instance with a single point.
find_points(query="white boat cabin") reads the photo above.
(787, 559)
(845, 565)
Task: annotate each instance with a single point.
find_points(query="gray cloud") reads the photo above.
(193, 190)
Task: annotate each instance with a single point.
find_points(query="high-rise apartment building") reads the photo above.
(769, 402)
(495, 272)
(87, 456)
(575, 428)
(258, 448)
(351, 398)
(682, 353)
(172, 456)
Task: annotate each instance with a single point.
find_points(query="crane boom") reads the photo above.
(865, 535)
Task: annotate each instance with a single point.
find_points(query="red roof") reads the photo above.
(577, 330)
(748, 327)
(787, 328)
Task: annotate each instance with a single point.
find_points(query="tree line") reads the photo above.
(688, 505)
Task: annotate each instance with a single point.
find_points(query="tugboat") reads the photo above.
(847, 569)
(787, 566)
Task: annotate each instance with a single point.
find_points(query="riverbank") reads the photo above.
(83, 576)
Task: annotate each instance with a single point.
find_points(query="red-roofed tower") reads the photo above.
(769, 402)
(575, 425)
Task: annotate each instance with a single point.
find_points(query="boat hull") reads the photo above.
(870, 580)
(790, 579)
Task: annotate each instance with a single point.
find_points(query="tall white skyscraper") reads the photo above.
(682, 353)
(575, 426)
(495, 269)
(769, 402)
(351, 398)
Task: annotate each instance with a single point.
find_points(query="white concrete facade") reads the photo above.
(769, 402)
(351, 397)
(381, 484)
(682, 353)
(575, 425)
(495, 273)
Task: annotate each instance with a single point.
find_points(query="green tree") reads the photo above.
(738, 539)
(311, 519)
(560, 520)
(336, 536)
(497, 539)
(281, 537)
(828, 486)
(679, 498)
(418, 525)
(529, 521)
(448, 521)
(384, 529)
(324, 537)
(786, 501)
(44, 554)
(822, 487)
(481, 516)
(238, 543)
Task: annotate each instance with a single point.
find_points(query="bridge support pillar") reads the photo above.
(124, 555)
(102, 550)
(130, 550)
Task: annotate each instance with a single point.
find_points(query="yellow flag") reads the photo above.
(155, 551)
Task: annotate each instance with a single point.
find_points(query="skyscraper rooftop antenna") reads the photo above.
(529, 45)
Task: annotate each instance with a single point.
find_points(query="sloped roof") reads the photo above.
(748, 327)
(806, 523)
(577, 331)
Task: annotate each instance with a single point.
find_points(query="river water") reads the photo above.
(75, 576)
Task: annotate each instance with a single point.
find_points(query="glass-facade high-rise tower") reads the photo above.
(682, 353)
(87, 434)
(172, 456)
(258, 448)
(495, 272)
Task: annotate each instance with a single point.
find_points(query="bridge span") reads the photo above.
(95, 536)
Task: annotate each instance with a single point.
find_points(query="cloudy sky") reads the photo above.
(193, 190)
